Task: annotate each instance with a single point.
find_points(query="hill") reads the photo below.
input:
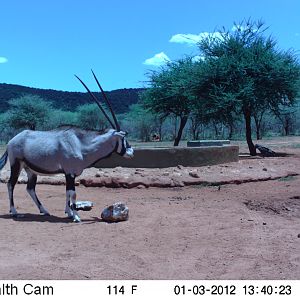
(120, 99)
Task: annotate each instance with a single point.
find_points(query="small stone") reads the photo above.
(115, 213)
(194, 174)
(176, 173)
(177, 183)
(264, 223)
(165, 174)
(140, 186)
(180, 167)
(99, 174)
(265, 169)
(299, 235)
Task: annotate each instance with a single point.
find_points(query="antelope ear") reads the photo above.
(120, 133)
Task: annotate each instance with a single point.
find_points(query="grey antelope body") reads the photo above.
(66, 150)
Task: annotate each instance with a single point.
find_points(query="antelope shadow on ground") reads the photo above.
(27, 217)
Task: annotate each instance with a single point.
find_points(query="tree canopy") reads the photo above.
(169, 93)
(90, 117)
(28, 111)
(241, 73)
(248, 74)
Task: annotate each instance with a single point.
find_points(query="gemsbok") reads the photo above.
(67, 150)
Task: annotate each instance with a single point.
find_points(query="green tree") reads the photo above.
(90, 117)
(61, 117)
(247, 74)
(28, 111)
(140, 122)
(287, 117)
(170, 94)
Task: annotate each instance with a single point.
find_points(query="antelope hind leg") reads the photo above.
(32, 178)
(15, 169)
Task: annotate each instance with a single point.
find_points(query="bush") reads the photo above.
(90, 117)
(29, 112)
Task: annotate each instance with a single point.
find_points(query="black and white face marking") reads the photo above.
(123, 147)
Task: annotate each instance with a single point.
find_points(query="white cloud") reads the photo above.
(157, 60)
(193, 39)
(3, 60)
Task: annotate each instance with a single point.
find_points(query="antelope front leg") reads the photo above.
(71, 198)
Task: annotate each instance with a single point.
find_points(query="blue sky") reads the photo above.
(44, 43)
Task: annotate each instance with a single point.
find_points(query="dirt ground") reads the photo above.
(249, 230)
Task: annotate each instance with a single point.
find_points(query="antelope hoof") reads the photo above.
(69, 214)
(76, 219)
(13, 212)
(44, 212)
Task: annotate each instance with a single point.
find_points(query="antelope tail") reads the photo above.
(3, 160)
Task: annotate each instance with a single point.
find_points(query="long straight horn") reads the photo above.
(107, 102)
(98, 103)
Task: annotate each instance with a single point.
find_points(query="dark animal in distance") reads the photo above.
(265, 151)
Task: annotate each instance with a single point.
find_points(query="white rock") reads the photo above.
(115, 213)
(84, 205)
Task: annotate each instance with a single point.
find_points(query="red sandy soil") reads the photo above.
(212, 229)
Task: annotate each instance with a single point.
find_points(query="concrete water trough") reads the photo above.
(207, 143)
(173, 156)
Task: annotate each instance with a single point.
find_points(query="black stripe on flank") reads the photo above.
(40, 170)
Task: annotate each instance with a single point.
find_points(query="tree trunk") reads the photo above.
(251, 146)
(216, 130)
(230, 133)
(286, 126)
(175, 127)
(257, 125)
(160, 132)
(32, 126)
(258, 137)
(197, 134)
(194, 129)
(160, 127)
(183, 121)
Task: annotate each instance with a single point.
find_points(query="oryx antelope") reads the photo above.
(67, 150)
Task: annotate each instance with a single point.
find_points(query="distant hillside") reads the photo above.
(120, 99)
